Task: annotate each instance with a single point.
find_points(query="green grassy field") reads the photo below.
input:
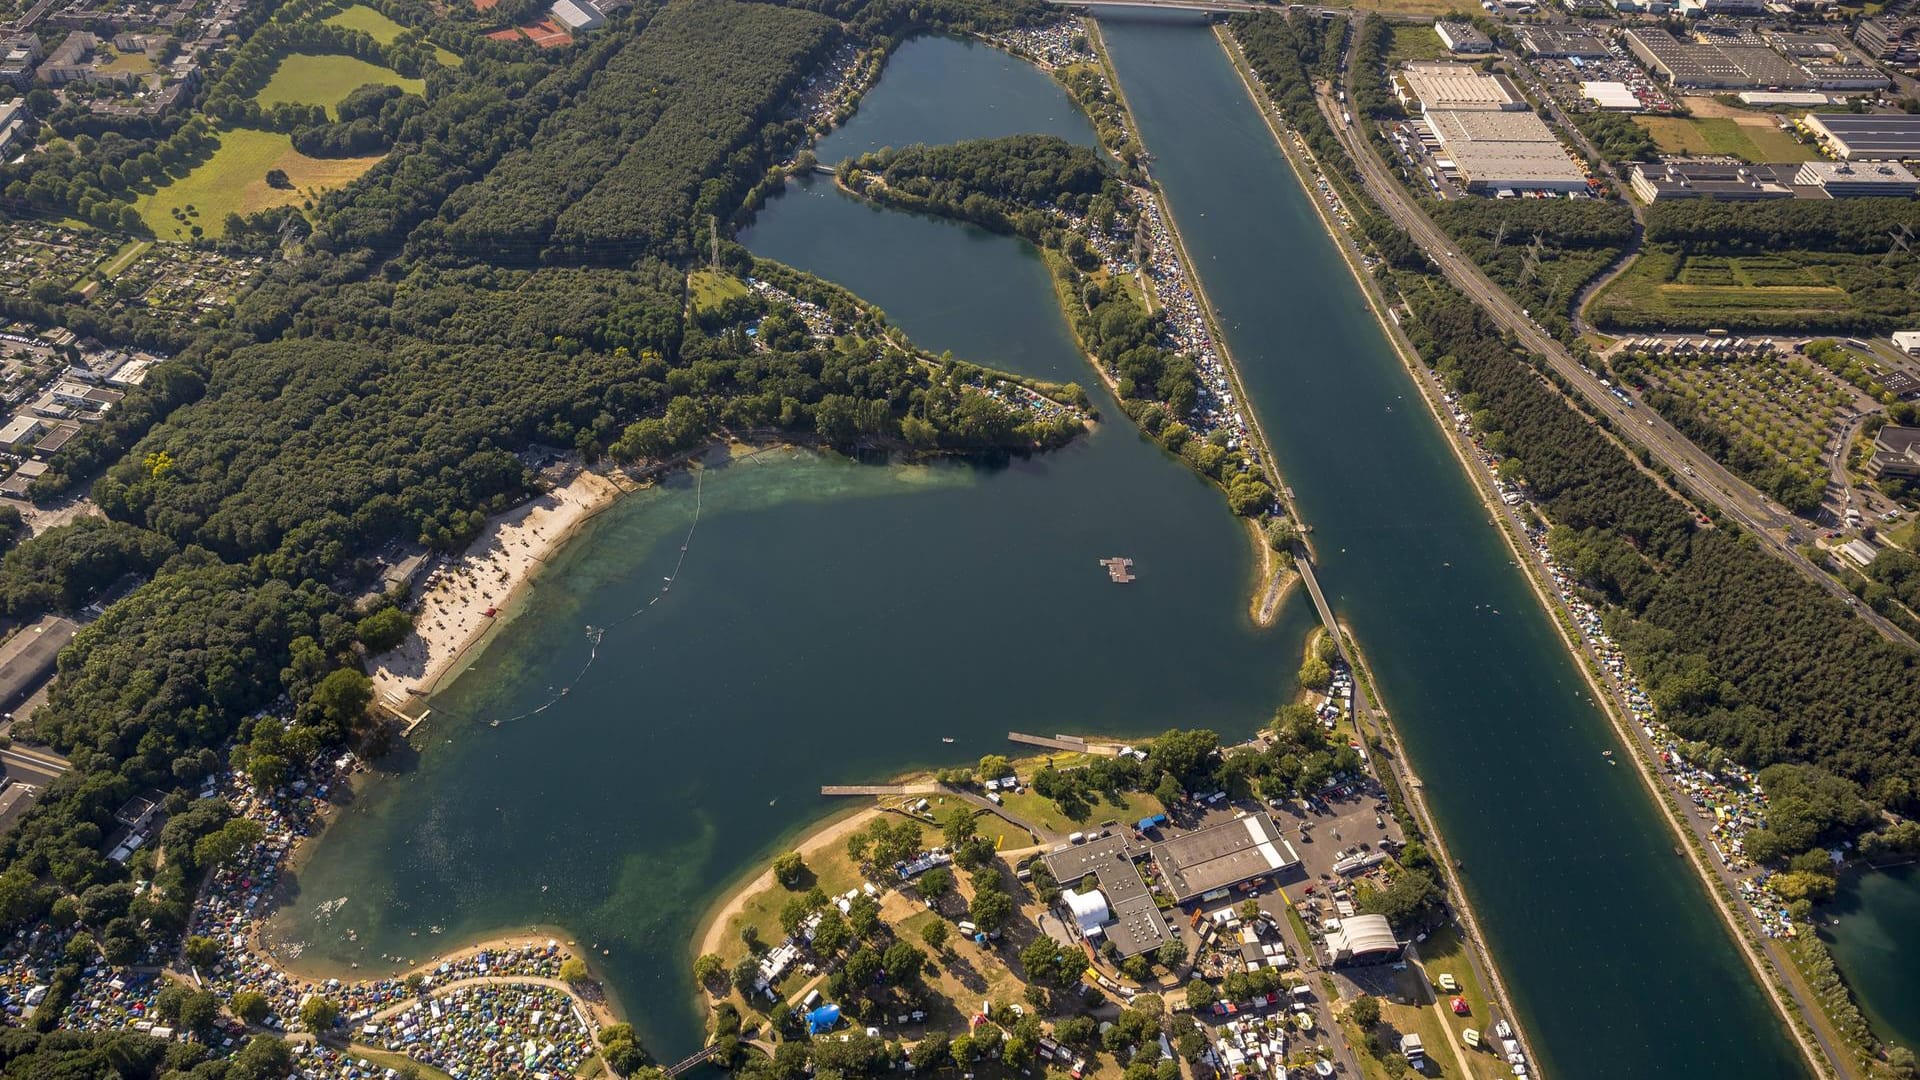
(382, 29)
(308, 79)
(1416, 43)
(135, 63)
(1757, 142)
(710, 288)
(234, 180)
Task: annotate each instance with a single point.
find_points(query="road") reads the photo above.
(1690, 466)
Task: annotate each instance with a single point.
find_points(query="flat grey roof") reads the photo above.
(27, 658)
(1866, 133)
(1224, 855)
(1138, 926)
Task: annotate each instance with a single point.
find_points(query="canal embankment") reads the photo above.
(1568, 871)
(1782, 981)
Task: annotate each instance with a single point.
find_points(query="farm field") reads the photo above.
(234, 180)
(382, 29)
(310, 79)
(1752, 139)
(1664, 290)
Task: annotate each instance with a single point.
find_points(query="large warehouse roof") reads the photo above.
(1496, 150)
(1224, 855)
(1460, 86)
(1868, 136)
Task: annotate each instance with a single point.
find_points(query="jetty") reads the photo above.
(1069, 743)
(1119, 569)
(879, 789)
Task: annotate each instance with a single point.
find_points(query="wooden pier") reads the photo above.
(1069, 743)
(1119, 569)
(879, 789)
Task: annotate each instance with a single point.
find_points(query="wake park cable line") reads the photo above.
(595, 634)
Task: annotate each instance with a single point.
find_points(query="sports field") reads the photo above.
(310, 79)
(234, 180)
(1752, 139)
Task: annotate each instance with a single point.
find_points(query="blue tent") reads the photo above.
(823, 1019)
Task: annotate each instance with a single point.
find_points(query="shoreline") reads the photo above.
(468, 595)
(1731, 921)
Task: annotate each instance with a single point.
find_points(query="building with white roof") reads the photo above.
(1460, 87)
(1501, 151)
(578, 15)
(1611, 95)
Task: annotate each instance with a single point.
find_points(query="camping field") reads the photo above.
(309, 79)
(234, 180)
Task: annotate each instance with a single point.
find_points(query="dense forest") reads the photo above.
(1738, 649)
(659, 139)
(383, 381)
(1541, 251)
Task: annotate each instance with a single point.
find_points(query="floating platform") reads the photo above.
(1119, 569)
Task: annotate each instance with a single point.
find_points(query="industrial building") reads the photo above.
(1208, 862)
(1501, 151)
(27, 658)
(1896, 453)
(1462, 37)
(1845, 179)
(1694, 180)
(1889, 38)
(1459, 87)
(1362, 939)
(1734, 61)
(1615, 96)
(1554, 43)
(1867, 136)
(1121, 908)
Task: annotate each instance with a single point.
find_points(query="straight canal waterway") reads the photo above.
(832, 623)
(1617, 960)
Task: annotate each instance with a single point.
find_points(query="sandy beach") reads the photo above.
(461, 599)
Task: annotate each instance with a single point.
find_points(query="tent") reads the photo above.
(823, 1019)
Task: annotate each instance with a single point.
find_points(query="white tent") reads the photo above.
(1089, 910)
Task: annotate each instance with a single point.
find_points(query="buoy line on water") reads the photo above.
(595, 634)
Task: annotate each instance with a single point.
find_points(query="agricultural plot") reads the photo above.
(1769, 419)
(1664, 290)
(1753, 139)
(309, 79)
(234, 180)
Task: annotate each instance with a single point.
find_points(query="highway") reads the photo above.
(1690, 466)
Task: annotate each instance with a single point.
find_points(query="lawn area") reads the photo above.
(125, 257)
(382, 29)
(711, 288)
(310, 79)
(234, 180)
(135, 63)
(1444, 953)
(1754, 139)
(1416, 43)
(388, 1060)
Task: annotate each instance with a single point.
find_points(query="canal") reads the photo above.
(1617, 961)
(832, 623)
